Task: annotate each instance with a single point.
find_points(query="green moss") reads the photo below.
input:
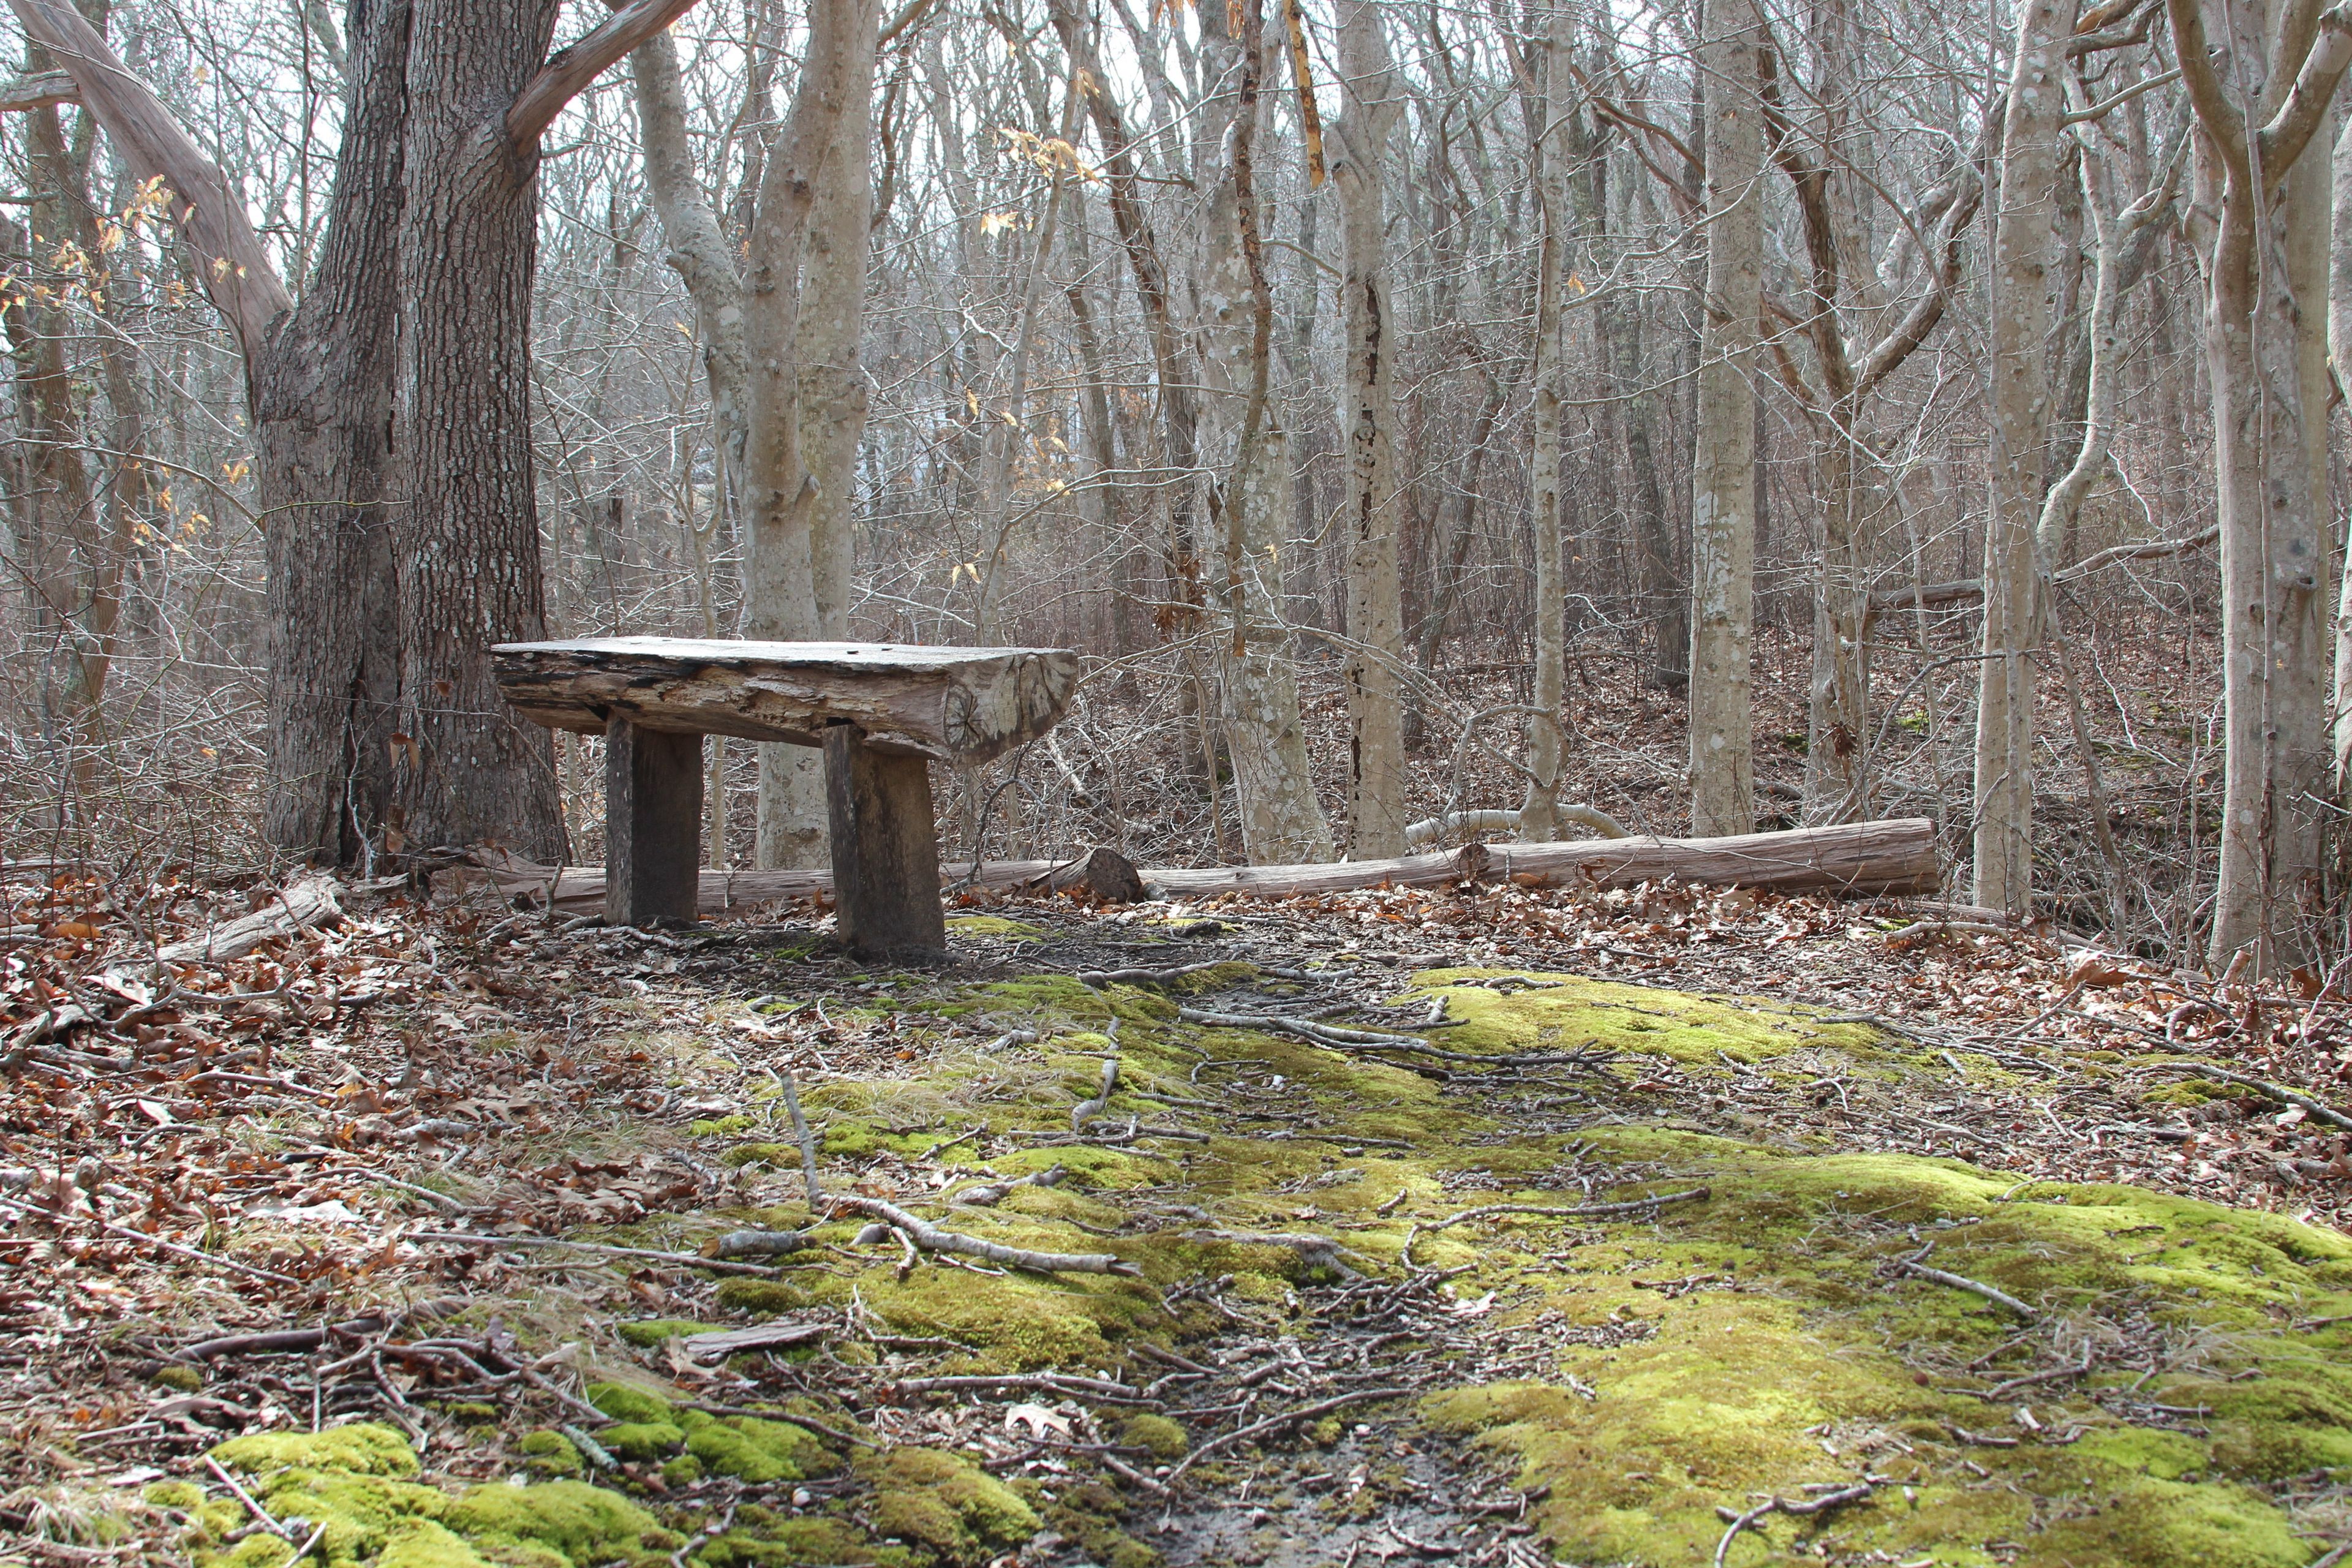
(721, 1126)
(186, 1496)
(551, 1453)
(955, 1513)
(1091, 1515)
(997, 926)
(638, 1441)
(782, 1156)
(622, 1403)
(682, 1472)
(365, 1448)
(647, 1332)
(765, 1296)
(789, 1543)
(184, 1379)
(582, 1524)
(1157, 1435)
(422, 1543)
(1696, 1031)
(472, 1413)
(756, 1450)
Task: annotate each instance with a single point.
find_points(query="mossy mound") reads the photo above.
(752, 1450)
(647, 1332)
(1563, 1011)
(997, 926)
(948, 1510)
(350, 1483)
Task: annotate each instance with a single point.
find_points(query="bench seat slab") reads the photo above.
(962, 705)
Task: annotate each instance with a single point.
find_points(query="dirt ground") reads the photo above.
(1479, 1225)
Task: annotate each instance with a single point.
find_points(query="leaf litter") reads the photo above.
(225, 1178)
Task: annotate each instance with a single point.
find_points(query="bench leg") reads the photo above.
(885, 851)
(652, 825)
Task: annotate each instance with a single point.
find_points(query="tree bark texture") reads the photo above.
(2024, 242)
(1249, 514)
(1543, 90)
(2257, 332)
(1723, 489)
(322, 392)
(801, 335)
(466, 529)
(1368, 420)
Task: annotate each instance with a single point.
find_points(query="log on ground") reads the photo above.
(1897, 856)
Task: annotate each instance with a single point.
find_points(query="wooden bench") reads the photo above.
(881, 710)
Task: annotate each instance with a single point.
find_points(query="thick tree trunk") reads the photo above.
(1723, 489)
(323, 394)
(1368, 417)
(2024, 238)
(466, 532)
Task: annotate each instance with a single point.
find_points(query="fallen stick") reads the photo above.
(1583, 1211)
(1962, 1282)
(991, 1193)
(684, 1260)
(2318, 1109)
(1048, 1382)
(279, 1342)
(1274, 1422)
(930, 1239)
(1339, 1038)
(755, 1244)
(1822, 1504)
(127, 1233)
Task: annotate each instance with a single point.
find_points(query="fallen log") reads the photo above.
(1893, 856)
(309, 901)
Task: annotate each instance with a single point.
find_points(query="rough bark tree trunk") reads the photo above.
(1723, 489)
(1368, 417)
(466, 532)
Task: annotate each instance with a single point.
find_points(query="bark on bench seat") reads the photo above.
(881, 710)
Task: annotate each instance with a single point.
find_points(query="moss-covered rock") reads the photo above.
(362, 1448)
(551, 1453)
(949, 1508)
(580, 1525)
(622, 1403)
(752, 1450)
(1157, 1435)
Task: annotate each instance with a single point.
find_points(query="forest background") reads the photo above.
(1781, 415)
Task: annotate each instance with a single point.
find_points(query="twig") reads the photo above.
(1097, 1388)
(990, 1192)
(1822, 1504)
(684, 1260)
(1912, 1264)
(807, 1141)
(128, 1234)
(2318, 1109)
(245, 1498)
(1339, 1038)
(1585, 1211)
(1272, 1423)
(930, 1239)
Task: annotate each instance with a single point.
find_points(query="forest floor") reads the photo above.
(1485, 1226)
